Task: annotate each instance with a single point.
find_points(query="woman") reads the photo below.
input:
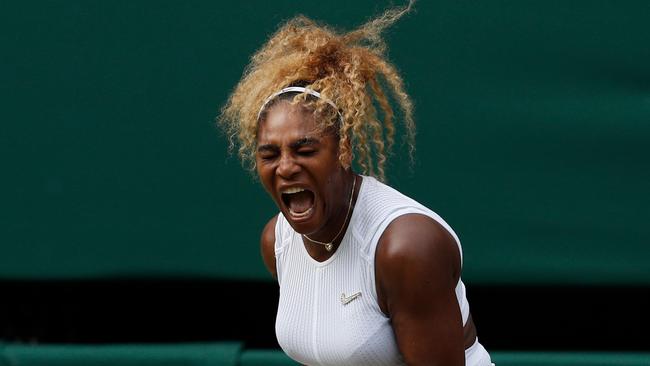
(367, 275)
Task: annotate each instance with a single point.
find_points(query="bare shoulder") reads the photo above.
(417, 269)
(418, 238)
(415, 251)
(267, 245)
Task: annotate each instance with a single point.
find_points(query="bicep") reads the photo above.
(267, 246)
(431, 335)
(418, 267)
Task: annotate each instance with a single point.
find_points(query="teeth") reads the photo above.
(292, 190)
(299, 215)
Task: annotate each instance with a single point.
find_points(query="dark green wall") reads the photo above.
(533, 138)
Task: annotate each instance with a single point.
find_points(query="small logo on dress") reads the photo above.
(347, 299)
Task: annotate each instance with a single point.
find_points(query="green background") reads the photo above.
(533, 135)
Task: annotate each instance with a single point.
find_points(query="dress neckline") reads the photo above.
(346, 235)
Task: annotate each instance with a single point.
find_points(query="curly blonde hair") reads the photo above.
(349, 69)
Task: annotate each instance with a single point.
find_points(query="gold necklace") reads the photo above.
(330, 245)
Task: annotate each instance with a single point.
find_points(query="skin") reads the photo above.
(292, 152)
(417, 263)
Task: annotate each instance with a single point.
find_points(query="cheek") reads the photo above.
(264, 175)
(334, 167)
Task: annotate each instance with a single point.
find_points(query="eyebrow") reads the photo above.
(267, 147)
(305, 141)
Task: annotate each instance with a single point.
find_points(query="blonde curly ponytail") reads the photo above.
(349, 69)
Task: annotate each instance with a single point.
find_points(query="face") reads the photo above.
(299, 168)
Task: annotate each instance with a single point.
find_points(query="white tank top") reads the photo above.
(313, 325)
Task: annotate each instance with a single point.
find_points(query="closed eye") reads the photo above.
(267, 156)
(268, 152)
(306, 152)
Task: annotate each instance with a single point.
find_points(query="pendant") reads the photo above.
(329, 247)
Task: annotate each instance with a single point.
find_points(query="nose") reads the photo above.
(287, 167)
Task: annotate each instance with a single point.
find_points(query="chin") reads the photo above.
(304, 225)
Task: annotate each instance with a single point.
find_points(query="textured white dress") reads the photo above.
(313, 325)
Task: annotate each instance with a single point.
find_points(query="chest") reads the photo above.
(328, 313)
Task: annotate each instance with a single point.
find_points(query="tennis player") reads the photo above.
(367, 275)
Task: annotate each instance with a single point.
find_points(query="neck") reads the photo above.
(333, 232)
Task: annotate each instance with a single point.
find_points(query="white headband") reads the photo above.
(299, 89)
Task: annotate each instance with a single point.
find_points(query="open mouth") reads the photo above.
(300, 201)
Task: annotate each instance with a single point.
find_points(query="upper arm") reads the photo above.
(417, 270)
(267, 246)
